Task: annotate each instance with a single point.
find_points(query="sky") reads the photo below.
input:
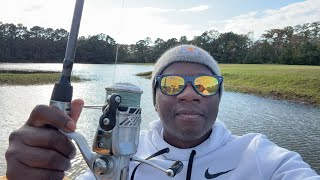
(129, 21)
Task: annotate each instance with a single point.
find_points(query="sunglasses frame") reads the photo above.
(187, 79)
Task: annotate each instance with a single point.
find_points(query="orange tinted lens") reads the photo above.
(172, 85)
(206, 85)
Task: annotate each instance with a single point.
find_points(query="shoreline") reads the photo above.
(31, 77)
(272, 94)
(297, 84)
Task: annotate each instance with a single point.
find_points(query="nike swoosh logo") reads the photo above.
(211, 176)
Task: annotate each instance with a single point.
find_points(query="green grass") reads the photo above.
(31, 77)
(289, 82)
(145, 74)
(294, 83)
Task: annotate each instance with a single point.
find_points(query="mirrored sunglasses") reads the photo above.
(205, 85)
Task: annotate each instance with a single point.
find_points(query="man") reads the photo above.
(187, 89)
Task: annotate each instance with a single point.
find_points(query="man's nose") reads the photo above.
(189, 94)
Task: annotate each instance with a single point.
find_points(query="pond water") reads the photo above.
(292, 126)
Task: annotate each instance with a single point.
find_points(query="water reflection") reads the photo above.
(289, 125)
(292, 126)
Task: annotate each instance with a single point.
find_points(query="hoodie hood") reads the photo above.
(219, 137)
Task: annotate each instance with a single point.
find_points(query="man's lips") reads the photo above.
(187, 119)
(189, 114)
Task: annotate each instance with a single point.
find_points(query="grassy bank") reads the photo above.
(293, 83)
(14, 77)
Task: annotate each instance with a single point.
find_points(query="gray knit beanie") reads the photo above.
(184, 53)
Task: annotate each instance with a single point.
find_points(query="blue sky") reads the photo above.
(164, 19)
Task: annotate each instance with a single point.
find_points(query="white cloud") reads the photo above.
(249, 15)
(125, 25)
(196, 9)
(153, 10)
(37, 12)
(128, 25)
(133, 24)
(258, 22)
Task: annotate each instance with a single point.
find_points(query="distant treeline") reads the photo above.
(291, 45)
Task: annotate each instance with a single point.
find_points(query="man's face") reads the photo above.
(188, 116)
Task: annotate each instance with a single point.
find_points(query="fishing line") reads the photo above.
(118, 44)
(129, 96)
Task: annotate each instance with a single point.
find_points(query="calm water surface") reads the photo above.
(293, 126)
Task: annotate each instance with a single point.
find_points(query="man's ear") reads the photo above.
(156, 107)
(155, 100)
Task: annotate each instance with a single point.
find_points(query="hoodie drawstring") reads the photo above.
(165, 150)
(193, 153)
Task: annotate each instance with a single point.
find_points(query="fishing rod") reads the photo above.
(117, 136)
(62, 92)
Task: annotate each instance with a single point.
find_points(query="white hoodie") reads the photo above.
(221, 156)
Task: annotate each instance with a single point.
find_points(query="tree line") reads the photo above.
(291, 45)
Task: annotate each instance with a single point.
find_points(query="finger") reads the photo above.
(44, 158)
(43, 115)
(76, 108)
(18, 171)
(47, 138)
